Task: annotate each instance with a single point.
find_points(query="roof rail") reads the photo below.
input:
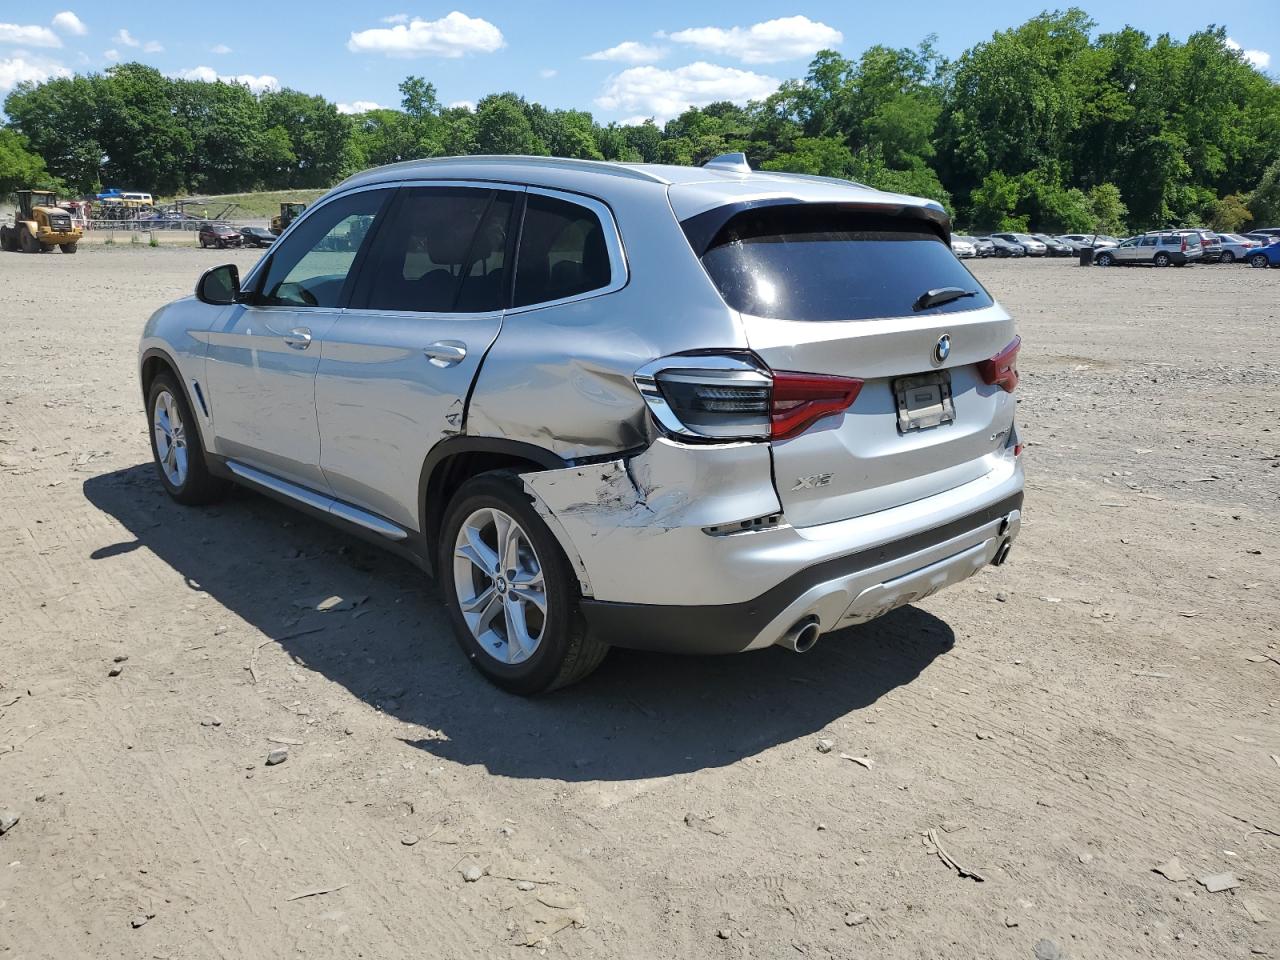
(730, 162)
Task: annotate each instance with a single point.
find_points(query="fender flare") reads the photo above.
(201, 412)
(451, 447)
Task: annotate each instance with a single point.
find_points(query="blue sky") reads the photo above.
(621, 61)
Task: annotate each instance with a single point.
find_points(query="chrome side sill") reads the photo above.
(318, 501)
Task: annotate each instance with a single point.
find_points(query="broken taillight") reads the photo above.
(1002, 369)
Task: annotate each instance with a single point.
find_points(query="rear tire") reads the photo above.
(1258, 261)
(563, 652)
(1161, 260)
(1104, 260)
(7, 243)
(29, 243)
(1228, 256)
(184, 473)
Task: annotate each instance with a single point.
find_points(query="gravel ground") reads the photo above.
(1102, 704)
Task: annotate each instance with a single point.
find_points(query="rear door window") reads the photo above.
(441, 250)
(562, 252)
(827, 263)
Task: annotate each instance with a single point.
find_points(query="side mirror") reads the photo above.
(219, 286)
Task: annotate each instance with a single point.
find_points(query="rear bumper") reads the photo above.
(840, 592)
(667, 562)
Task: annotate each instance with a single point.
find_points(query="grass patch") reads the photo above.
(262, 205)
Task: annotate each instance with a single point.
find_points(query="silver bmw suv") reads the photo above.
(703, 410)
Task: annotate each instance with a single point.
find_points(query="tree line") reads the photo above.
(1047, 125)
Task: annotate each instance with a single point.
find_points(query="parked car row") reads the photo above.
(1178, 248)
(1028, 245)
(1161, 248)
(222, 235)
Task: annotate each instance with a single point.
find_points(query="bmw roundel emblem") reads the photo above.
(943, 349)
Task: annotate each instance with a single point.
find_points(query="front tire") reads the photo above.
(67, 248)
(1104, 260)
(1258, 261)
(176, 446)
(511, 592)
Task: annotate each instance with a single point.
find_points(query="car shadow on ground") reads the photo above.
(641, 715)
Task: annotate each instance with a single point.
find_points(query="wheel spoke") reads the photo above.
(481, 555)
(479, 601)
(489, 609)
(519, 643)
(535, 597)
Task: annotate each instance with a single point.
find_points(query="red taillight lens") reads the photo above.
(1002, 369)
(801, 399)
(1184, 244)
(728, 398)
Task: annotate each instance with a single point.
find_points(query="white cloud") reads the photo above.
(208, 75)
(68, 22)
(1257, 58)
(469, 104)
(396, 18)
(28, 36)
(112, 54)
(125, 38)
(19, 69)
(220, 49)
(629, 51)
(153, 46)
(546, 73)
(359, 106)
(663, 94)
(453, 35)
(787, 38)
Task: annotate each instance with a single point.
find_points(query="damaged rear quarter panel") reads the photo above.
(628, 518)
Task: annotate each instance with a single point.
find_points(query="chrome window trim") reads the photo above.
(620, 275)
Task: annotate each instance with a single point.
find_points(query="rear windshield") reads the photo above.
(817, 262)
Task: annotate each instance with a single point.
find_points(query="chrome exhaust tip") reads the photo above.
(1002, 553)
(802, 635)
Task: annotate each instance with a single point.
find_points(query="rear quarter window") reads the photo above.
(825, 263)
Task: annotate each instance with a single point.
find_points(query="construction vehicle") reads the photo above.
(39, 225)
(289, 212)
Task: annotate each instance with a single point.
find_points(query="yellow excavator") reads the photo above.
(39, 225)
(288, 213)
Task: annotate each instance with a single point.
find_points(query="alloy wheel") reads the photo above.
(171, 438)
(498, 580)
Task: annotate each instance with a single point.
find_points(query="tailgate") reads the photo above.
(823, 289)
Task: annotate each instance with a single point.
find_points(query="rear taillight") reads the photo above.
(801, 399)
(1184, 244)
(1002, 369)
(739, 398)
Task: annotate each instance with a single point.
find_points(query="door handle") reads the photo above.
(445, 353)
(299, 338)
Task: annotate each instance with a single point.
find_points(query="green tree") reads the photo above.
(1229, 214)
(319, 138)
(1108, 209)
(19, 167)
(1264, 202)
(503, 128)
(821, 156)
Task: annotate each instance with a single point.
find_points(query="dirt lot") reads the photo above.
(1066, 723)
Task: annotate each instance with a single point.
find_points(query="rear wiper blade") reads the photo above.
(936, 298)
